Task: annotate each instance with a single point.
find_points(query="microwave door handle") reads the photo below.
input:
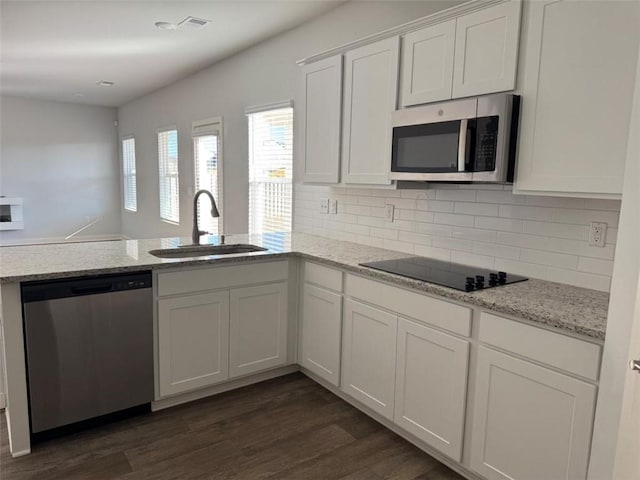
(462, 145)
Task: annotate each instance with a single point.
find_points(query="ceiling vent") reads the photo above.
(193, 23)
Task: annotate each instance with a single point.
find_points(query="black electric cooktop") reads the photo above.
(453, 275)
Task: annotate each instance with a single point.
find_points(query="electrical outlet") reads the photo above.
(597, 234)
(334, 206)
(388, 212)
(324, 205)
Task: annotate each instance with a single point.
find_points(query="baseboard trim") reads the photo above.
(452, 464)
(223, 387)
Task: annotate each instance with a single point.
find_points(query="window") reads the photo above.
(270, 168)
(168, 168)
(130, 200)
(207, 156)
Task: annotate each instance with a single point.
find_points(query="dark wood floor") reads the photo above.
(286, 428)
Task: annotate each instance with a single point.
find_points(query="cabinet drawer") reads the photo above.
(323, 276)
(214, 278)
(560, 351)
(442, 314)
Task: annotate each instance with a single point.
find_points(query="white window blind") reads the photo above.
(207, 156)
(270, 170)
(130, 200)
(168, 169)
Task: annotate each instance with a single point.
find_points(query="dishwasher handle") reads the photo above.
(92, 289)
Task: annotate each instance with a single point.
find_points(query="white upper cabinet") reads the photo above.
(371, 84)
(486, 52)
(578, 75)
(320, 112)
(427, 64)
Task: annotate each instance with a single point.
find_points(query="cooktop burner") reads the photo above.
(453, 275)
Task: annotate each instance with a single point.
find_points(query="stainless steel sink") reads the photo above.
(204, 250)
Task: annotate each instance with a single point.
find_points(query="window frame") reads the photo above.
(126, 174)
(262, 109)
(159, 131)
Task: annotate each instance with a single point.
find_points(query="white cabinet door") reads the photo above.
(486, 56)
(369, 356)
(431, 386)
(193, 341)
(321, 332)
(577, 81)
(320, 113)
(529, 422)
(427, 64)
(258, 328)
(370, 92)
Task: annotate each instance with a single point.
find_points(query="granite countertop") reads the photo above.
(572, 309)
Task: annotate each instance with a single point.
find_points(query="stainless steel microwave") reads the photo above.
(468, 140)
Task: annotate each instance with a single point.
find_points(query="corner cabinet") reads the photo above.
(320, 100)
(321, 321)
(577, 79)
(370, 95)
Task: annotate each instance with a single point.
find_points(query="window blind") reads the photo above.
(130, 200)
(168, 170)
(270, 170)
(208, 172)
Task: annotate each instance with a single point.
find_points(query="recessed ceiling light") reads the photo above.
(105, 83)
(165, 26)
(193, 22)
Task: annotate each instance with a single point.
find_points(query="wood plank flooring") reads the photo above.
(286, 428)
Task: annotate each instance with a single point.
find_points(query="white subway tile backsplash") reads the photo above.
(525, 213)
(481, 209)
(453, 219)
(499, 224)
(549, 258)
(474, 234)
(482, 225)
(456, 195)
(595, 265)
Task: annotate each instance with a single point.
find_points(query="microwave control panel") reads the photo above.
(486, 144)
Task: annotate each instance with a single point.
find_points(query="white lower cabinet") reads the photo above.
(431, 386)
(529, 422)
(321, 325)
(258, 328)
(369, 356)
(193, 334)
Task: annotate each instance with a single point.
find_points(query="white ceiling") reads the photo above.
(58, 50)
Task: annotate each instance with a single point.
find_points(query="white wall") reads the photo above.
(264, 74)
(61, 158)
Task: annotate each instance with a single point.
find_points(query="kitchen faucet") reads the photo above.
(195, 236)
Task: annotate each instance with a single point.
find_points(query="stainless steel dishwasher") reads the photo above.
(89, 347)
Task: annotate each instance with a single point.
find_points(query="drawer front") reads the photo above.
(323, 276)
(557, 350)
(439, 313)
(214, 278)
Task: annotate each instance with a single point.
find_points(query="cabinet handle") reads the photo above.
(635, 365)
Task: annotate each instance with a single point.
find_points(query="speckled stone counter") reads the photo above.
(572, 309)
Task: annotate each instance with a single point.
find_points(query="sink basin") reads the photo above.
(204, 250)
